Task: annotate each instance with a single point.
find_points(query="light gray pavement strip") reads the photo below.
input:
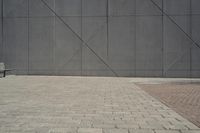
(164, 80)
(30, 104)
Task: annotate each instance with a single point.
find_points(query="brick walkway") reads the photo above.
(182, 97)
(83, 105)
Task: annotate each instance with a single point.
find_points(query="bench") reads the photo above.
(3, 69)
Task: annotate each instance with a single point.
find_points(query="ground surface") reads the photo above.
(83, 105)
(184, 98)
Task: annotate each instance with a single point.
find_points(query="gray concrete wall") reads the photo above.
(1, 35)
(102, 37)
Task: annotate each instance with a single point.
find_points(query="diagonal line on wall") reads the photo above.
(102, 60)
(175, 61)
(181, 29)
(171, 19)
(76, 52)
(70, 59)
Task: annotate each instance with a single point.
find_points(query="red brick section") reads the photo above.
(183, 98)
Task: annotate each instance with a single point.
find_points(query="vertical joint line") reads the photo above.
(81, 37)
(2, 30)
(54, 44)
(28, 39)
(135, 11)
(163, 56)
(107, 21)
(190, 17)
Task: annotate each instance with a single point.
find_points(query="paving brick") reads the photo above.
(62, 130)
(192, 131)
(89, 130)
(167, 131)
(182, 96)
(128, 125)
(115, 131)
(140, 131)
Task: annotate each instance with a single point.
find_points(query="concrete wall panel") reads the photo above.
(94, 7)
(93, 66)
(9, 47)
(1, 34)
(37, 8)
(122, 45)
(121, 7)
(195, 6)
(94, 31)
(16, 44)
(149, 46)
(196, 28)
(177, 51)
(183, 22)
(15, 8)
(95, 34)
(177, 7)
(146, 7)
(41, 42)
(68, 7)
(1, 42)
(195, 50)
(1, 7)
(159, 3)
(68, 47)
(195, 62)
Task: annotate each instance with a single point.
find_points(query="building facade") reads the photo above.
(133, 38)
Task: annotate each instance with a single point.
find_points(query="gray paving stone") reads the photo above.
(89, 130)
(83, 105)
(167, 131)
(140, 131)
(115, 131)
(63, 130)
(192, 131)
